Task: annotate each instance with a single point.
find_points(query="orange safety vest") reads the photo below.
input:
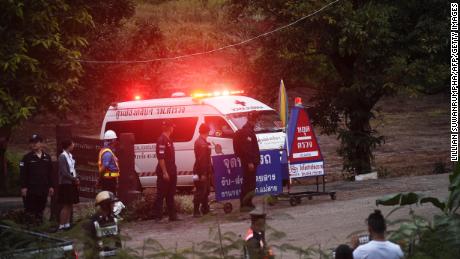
(106, 173)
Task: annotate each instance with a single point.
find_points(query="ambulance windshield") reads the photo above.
(268, 121)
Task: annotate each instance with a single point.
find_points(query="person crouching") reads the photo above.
(103, 229)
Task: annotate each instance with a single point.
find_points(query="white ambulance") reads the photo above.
(223, 112)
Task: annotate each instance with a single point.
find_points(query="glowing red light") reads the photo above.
(137, 97)
(298, 101)
(216, 93)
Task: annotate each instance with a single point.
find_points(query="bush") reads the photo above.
(424, 238)
(143, 209)
(12, 184)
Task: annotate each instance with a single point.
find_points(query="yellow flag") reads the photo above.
(283, 102)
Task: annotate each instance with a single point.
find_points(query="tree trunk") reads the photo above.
(361, 141)
(5, 133)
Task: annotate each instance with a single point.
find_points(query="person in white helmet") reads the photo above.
(109, 170)
(102, 230)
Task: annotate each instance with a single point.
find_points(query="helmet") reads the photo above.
(110, 134)
(105, 196)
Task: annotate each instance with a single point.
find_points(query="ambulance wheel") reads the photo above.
(293, 201)
(298, 200)
(228, 207)
(333, 196)
(310, 198)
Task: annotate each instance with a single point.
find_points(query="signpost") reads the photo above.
(305, 158)
(228, 175)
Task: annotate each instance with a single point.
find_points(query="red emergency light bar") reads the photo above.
(217, 93)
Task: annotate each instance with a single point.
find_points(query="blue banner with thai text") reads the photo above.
(228, 175)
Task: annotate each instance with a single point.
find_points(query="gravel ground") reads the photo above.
(320, 222)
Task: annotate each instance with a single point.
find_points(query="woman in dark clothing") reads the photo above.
(68, 184)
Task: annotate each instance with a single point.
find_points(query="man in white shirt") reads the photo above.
(378, 247)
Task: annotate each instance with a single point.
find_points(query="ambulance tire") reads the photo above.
(228, 207)
(293, 201)
(298, 200)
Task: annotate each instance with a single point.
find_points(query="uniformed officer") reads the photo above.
(246, 148)
(36, 178)
(103, 231)
(109, 171)
(166, 172)
(202, 170)
(255, 245)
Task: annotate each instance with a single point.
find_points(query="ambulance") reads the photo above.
(225, 112)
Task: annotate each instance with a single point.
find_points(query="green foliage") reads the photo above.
(144, 209)
(41, 41)
(436, 238)
(350, 56)
(12, 184)
(117, 35)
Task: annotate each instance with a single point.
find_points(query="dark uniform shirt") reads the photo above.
(165, 150)
(203, 164)
(246, 145)
(36, 173)
(256, 247)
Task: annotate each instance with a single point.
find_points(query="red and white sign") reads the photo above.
(305, 157)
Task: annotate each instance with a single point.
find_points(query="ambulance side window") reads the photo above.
(148, 131)
(184, 129)
(219, 127)
(145, 131)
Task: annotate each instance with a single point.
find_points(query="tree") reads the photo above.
(118, 35)
(41, 42)
(350, 56)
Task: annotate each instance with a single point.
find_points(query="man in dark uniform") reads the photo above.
(255, 245)
(166, 173)
(246, 148)
(36, 178)
(202, 172)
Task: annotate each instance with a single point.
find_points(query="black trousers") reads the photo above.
(109, 184)
(200, 197)
(249, 186)
(35, 204)
(165, 191)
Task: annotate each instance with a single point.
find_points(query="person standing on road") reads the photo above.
(166, 172)
(378, 247)
(109, 171)
(202, 170)
(246, 148)
(36, 179)
(68, 184)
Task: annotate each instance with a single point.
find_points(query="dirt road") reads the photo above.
(320, 221)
